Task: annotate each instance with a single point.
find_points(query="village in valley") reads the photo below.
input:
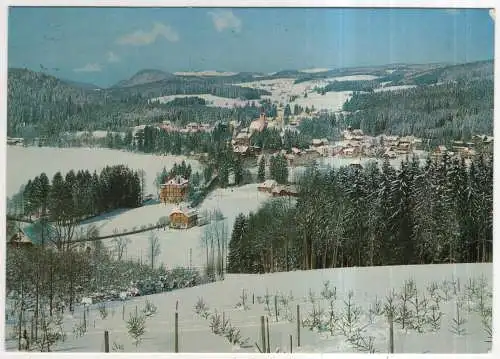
(328, 209)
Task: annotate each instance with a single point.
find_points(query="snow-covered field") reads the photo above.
(213, 101)
(314, 70)
(281, 89)
(394, 88)
(368, 285)
(205, 73)
(176, 244)
(25, 163)
(96, 134)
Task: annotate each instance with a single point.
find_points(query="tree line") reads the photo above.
(66, 200)
(438, 212)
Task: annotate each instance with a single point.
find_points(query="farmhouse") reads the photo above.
(15, 141)
(316, 142)
(356, 165)
(175, 190)
(259, 124)
(285, 191)
(267, 186)
(351, 134)
(193, 127)
(183, 218)
(20, 240)
(242, 150)
(242, 139)
(439, 152)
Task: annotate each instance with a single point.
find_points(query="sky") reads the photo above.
(105, 45)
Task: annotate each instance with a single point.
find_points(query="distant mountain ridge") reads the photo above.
(144, 77)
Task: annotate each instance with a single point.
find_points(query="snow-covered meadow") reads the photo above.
(282, 88)
(394, 88)
(211, 100)
(25, 163)
(176, 245)
(323, 297)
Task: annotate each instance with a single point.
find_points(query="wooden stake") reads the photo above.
(176, 339)
(291, 344)
(263, 333)
(123, 312)
(106, 341)
(391, 334)
(298, 325)
(276, 306)
(253, 298)
(268, 341)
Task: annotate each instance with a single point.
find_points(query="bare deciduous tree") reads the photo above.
(120, 243)
(154, 249)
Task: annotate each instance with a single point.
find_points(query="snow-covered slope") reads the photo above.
(211, 100)
(367, 285)
(177, 244)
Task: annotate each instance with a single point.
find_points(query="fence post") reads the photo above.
(176, 338)
(123, 312)
(253, 298)
(106, 341)
(263, 333)
(268, 341)
(291, 343)
(298, 325)
(276, 306)
(391, 333)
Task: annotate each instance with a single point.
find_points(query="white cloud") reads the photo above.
(492, 14)
(141, 37)
(89, 68)
(225, 19)
(112, 57)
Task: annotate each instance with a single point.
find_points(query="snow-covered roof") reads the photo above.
(177, 180)
(242, 135)
(240, 149)
(189, 212)
(268, 184)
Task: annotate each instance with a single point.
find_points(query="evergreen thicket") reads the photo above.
(440, 212)
(441, 113)
(82, 194)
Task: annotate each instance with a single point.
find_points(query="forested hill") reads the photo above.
(43, 105)
(450, 111)
(188, 85)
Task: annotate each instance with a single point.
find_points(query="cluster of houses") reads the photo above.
(168, 126)
(276, 190)
(175, 190)
(191, 127)
(464, 149)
